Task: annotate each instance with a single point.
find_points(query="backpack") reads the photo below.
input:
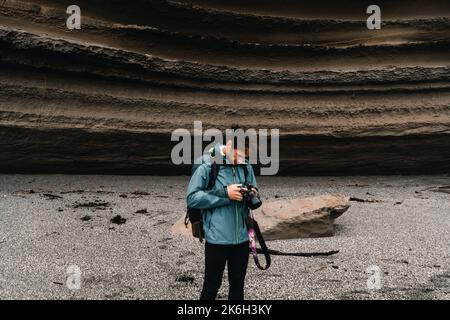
(193, 215)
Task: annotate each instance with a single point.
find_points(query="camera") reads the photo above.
(251, 198)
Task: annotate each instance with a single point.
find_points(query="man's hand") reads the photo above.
(234, 192)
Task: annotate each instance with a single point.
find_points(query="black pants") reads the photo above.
(236, 258)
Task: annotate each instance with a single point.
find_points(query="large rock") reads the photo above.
(180, 229)
(300, 217)
(293, 218)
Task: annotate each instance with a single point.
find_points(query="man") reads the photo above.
(224, 216)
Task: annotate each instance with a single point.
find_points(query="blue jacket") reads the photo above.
(223, 219)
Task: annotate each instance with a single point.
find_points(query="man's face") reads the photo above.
(234, 155)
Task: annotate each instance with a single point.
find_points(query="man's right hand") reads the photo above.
(234, 192)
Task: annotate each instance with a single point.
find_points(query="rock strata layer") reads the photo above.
(105, 99)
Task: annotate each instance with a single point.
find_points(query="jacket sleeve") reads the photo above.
(200, 198)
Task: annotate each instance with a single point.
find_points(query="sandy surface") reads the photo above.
(406, 235)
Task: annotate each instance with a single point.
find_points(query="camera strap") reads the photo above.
(254, 233)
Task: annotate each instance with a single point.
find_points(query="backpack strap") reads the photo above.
(213, 175)
(245, 173)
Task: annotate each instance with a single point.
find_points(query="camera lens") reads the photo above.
(253, 201)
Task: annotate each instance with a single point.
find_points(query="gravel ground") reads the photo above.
(406, 236)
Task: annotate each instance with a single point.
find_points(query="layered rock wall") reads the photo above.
(105, 99)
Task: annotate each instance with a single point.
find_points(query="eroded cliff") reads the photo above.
(107, 97)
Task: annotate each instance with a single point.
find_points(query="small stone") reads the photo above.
(140, 193)
(118, 219)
